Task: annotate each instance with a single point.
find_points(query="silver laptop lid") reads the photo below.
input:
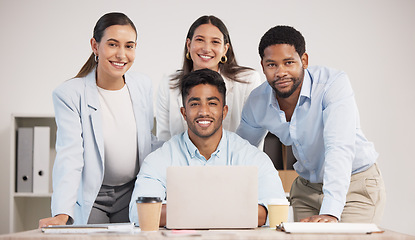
(207, 197)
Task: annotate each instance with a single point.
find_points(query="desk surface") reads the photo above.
(259, 233)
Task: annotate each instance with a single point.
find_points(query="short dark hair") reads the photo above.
(282, 35)
(202, 76)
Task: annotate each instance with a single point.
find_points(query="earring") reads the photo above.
(188, 56)
(223, 59)
(96, 58)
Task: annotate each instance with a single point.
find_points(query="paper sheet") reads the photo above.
(306, 227)
(92, 228)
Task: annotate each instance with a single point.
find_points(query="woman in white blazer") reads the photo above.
(208, 45)
(104, 117)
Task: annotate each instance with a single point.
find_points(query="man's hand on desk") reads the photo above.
(163, 216)
(320, 218)
(262, 215)
(60, 219)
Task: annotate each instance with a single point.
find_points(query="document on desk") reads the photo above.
(92, 228)
(341, 228)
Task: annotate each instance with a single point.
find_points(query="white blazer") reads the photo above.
(170, 121)
(78, 170)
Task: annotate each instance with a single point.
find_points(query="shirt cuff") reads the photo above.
(332, 207)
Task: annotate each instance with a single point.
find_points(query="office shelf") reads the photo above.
(27, 208)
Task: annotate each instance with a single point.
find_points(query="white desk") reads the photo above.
(256, 234)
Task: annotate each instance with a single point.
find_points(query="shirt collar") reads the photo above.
(306, 87)
(272, 100)
(192, 149)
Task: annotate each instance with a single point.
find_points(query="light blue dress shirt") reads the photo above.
(180, 151)
(324, 132)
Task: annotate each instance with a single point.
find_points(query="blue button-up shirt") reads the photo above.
(324, 132)
(180, 151)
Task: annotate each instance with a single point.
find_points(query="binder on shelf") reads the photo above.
(24, 160)
(41, 152)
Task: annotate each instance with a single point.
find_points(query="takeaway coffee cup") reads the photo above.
(149, 210)
(277, 211)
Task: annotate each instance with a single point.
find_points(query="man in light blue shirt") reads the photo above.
(205, 143)
(313, 109)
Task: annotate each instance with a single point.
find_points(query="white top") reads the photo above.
(120, 138)
(170, 121)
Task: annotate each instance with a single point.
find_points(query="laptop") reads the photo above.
(212, 197)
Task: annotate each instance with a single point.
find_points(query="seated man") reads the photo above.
(205, 143)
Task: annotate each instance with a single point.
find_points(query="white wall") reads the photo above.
(44, 42)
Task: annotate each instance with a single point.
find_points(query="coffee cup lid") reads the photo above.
(148, 200)
(278, 201)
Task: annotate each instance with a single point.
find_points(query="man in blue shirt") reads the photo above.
(313, 109)
(205, 143)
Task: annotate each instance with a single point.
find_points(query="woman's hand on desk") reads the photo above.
(60, 219)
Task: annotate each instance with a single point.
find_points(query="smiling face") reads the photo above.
(116, 53)
(204, 112)
(207, 47)
(284, 69)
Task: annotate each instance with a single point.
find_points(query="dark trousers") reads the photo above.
(111, 205)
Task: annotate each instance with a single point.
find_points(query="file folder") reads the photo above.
(24, 160)
(41, 155)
